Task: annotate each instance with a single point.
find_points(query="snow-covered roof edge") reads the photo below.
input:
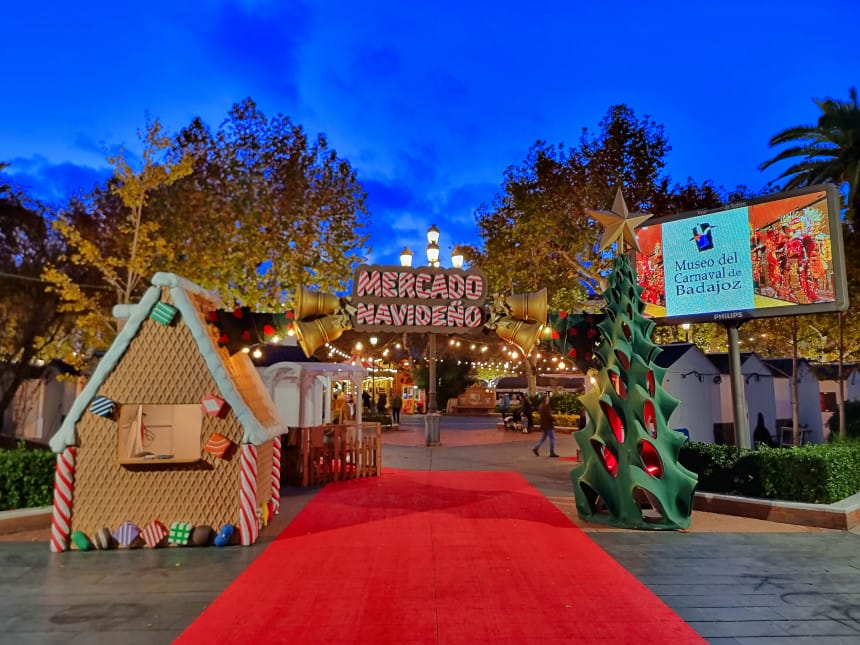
(65, 436)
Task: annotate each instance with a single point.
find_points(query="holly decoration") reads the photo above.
(575, 336)
(242, 327)
(630, 475)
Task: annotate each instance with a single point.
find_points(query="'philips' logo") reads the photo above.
(703, 235)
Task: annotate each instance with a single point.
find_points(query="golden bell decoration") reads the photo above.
(518, 319)
(320, 318)
(313, 304)
(520, 333)
(313, 334)
(528, 306)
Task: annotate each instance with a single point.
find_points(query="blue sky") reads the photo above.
(430, 102)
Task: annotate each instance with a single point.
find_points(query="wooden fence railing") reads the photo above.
(326, 453)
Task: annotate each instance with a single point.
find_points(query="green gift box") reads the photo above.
(180, 533)
(163, 313)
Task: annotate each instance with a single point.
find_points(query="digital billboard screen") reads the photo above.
(776, 256)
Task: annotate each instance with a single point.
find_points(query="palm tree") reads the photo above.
(828, 151)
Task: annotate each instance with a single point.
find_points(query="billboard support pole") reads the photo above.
(742, 428)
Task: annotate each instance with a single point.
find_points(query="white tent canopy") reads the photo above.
(302, 392)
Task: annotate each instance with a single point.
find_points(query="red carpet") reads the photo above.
(435, 557)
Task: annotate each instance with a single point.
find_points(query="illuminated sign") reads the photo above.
(428, 299)
(777, 256)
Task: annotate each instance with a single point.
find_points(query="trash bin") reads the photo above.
(431, 429)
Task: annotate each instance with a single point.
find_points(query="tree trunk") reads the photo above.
(531, 374)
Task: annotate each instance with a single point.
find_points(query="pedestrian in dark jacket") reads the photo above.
(547, 426)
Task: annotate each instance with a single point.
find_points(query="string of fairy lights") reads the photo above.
(511, 362)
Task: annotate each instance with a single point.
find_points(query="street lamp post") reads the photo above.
(373, 341)
(433, 261)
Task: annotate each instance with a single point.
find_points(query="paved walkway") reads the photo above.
(734, 580)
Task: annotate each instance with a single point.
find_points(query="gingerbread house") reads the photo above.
(170, 431)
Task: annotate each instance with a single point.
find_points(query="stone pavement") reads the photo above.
(734, 580)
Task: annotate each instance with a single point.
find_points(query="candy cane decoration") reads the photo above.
(64, 480)
(276, 474)
(248, 496)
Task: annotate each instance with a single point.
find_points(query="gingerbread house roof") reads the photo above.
(236, 378)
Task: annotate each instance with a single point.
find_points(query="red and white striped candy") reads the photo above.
(64, 483)
(248, 526)
(276, 474)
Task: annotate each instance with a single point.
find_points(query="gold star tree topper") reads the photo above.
(618, 223)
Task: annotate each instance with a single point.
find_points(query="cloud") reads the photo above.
(257, 42)
(53, 182)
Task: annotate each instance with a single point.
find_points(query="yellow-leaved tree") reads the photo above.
(120, 245)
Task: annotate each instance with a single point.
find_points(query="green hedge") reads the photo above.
(818, 474)
(26, 478)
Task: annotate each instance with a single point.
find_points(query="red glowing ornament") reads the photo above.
(651, 382)
(651, 459)
(614, 421)
(290, 314)
(562, 314)
(268, 330)
(622, 358)
(223, 339)
(572, 353)
(237, 312)
(555, 335)
(609, 461)
(246, 335)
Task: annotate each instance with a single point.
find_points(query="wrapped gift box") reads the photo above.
(217, 445)
(214, 406)
(102, 406)
(163, 313)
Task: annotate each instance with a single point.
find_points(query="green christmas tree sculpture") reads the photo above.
(630, 475)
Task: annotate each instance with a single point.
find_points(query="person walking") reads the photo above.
(527, 413)
(505, 405)
(396, 405)
(381, 403)
(547, 426)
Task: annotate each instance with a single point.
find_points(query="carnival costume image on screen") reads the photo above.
(780, 255)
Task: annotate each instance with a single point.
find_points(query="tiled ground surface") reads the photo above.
(735, 580)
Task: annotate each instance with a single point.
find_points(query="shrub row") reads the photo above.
(26, 478)
(818, 474)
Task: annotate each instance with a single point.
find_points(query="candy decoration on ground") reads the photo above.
(248, 526)
(127, 534)
(276, 476)
(225, 535)
(180, 533)
(202, 535)
(81, 541)
(104, 540)
(64, 480)
(163, 313)
(154, 533)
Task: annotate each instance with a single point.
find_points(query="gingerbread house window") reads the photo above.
(158, 434)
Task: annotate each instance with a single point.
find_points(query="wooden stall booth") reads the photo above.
(316, 455)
